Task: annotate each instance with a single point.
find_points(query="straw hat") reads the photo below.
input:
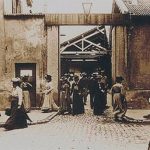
(15, 79)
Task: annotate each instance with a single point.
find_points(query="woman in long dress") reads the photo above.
(26, 87)
(78, 105)
(118, 99)
(49, 104)
(99, 98)
(18, 117)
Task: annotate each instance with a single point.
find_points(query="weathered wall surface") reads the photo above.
(25, 42)
(139, 56)
(119, 52)
(3, 94)
(53, 54)
(131, 59)
(2, 42)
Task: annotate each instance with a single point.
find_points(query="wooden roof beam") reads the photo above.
(85, 37)
(82, 19)
(96, 45)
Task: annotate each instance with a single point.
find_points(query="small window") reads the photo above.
(7, 6)
(25, 72)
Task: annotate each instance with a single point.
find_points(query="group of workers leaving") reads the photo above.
(74, 90)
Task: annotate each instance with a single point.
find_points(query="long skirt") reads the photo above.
(49, 104)
(99, 103)
(78, 105)
(85, 94)
(26, 101)
(65, 102)
(119, 106)
(18, 118)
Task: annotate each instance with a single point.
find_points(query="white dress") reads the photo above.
(49, 103)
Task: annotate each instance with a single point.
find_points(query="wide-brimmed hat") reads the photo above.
(102, 71)
(15, 79)
(76, 77)
(48, 77)
(83, 74)
(119, 79)
(71, 75)
(98, 77)
(95, 73)
(25, 78)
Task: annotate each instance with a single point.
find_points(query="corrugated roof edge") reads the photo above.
(122, 6)
(20, 14)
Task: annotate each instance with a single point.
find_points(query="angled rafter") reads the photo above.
(83, 39)
(97, 45)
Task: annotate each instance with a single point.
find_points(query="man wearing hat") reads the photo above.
(83, 83)
(91, 87)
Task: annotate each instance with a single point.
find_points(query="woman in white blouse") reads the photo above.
(48, 104)
(18, 117)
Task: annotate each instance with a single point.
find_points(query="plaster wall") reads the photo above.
(25, 42)
(2, 42)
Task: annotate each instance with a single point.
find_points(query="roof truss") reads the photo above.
(84, 43)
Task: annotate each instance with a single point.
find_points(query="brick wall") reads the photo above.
(53, 54)
(139, 56)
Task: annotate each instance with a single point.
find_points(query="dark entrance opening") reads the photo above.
(28, 69)
(85, 49)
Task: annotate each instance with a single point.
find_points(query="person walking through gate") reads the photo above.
(91, 87)
(118, 99)
(104, 80)
(83, 83)
(48, 104)
(77, 105)
(18, 117)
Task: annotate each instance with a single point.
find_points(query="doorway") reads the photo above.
(85, 49)
(28, 69)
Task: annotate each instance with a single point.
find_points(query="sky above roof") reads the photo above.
(69, 6)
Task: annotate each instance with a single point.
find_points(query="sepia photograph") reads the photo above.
(75, 74)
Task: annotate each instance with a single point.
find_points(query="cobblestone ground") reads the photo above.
(82, 132)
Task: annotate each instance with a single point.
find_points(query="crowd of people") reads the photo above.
(74, 90)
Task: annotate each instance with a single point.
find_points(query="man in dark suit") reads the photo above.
(91, 87)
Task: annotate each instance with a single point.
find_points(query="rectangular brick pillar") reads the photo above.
(53, 54)
(119, 52)
(2, 41)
